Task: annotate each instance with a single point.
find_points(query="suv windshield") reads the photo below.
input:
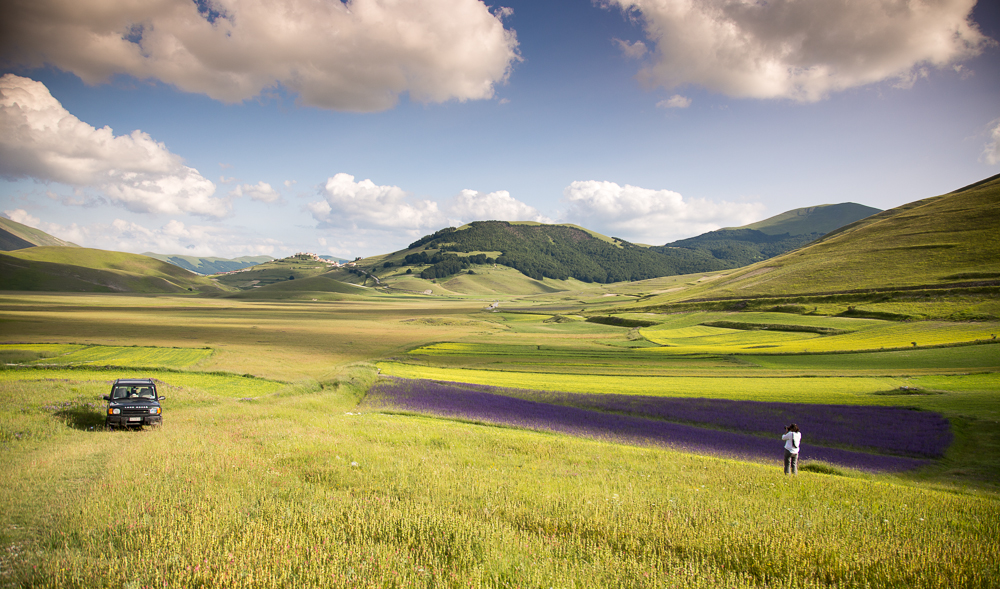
(133, 392)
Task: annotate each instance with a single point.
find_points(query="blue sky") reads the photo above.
(242, 127)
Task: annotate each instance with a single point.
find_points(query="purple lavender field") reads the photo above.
(890, 430)
(606, 420)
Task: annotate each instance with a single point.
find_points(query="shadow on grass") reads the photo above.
(80, 415)
(822, 468)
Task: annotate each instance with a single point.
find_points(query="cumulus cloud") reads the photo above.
(633, 50)
(261, 192)
(650, 216)
(991, 153)
(801, 50)
(357, 55)
(23, 217)
(472, 205)
(347, 203)
(174, 237)
(364, 216)
(40, 139)
(675, 101)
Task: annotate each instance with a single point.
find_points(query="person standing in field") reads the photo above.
(792, 438)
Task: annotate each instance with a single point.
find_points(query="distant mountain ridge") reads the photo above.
(741, 246)
(16, 236)
(209, 265)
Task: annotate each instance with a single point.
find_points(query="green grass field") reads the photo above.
(268, 473)
(299, 488)
(58, 354)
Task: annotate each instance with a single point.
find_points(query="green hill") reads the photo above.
(275, 271)
(542, 251)
(562, 252)
(821, 219)
(52, 268)
(15, 236)
(207, 266)
(741, 246)
(943, 240)
(317, 288)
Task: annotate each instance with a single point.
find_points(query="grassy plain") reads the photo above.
(282, 480)
(297, 488)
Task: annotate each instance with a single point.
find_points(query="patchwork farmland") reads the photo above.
(569, 434)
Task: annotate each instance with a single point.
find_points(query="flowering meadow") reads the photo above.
(892, 430)
(604, 419)
(304, 488)
(578, 459)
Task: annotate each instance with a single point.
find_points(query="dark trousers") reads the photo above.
(791, 462)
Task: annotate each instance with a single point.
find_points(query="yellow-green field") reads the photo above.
(58, 354)
(268, 473)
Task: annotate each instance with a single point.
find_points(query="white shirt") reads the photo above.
(792, 440)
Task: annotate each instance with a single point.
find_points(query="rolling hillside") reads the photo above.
(821, 219)
(562, 252)
(15, 236)
(315, 288)
(77, 269)
(207, 266)
(944, 240)
(275, 271)
(734, 247)
(552, 258)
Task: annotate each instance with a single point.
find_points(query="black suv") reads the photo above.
(133, 402)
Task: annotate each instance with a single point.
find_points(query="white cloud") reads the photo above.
(633, 50)
(991, 152)
(801, 50)
(650, 216)
(174, 237)
(472, 205)
(361, 216)
(357, 55)
(675, 101)
(40, 139)
(261, 192)
(347, 203)
(23, 217)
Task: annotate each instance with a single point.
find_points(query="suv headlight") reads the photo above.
(114, 411)
(154, 410)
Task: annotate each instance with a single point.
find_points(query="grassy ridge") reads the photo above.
(939, 239)
(820, 219)
(30, 235)
(210, 265)
(90, 270)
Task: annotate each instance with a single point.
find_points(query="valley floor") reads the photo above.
(283, 460)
